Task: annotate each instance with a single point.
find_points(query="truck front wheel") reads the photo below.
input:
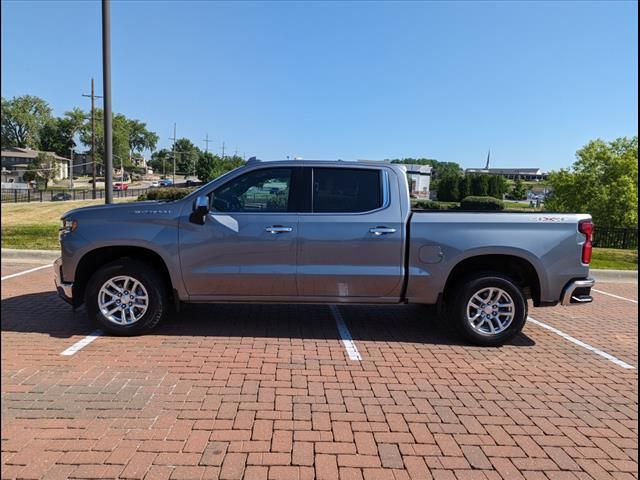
(126, 297)
(489, 309)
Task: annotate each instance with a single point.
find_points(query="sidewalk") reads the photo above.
(43, 256)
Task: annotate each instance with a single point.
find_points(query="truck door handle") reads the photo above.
(377, 231)
(278, 229)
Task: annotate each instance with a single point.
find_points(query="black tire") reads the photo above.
(152, 282)
(475, 283)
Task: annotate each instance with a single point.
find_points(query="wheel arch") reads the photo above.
(96, 258)
(518, 268)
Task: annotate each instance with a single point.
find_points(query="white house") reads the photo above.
(15, 162)
(419, 177)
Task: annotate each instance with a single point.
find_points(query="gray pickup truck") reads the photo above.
(320, 232)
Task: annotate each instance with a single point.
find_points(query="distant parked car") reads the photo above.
(166, 182)
(60, 196)
(193, 183)
(120, 186)
(155, 184)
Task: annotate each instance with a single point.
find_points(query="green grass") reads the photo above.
(509, 205)
(35, 225)
(30, 236)
(614, 259)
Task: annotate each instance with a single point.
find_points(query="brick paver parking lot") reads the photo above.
(269, 392)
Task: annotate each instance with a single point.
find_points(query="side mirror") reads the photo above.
(200, 210)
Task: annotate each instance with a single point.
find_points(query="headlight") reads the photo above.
(68, 226)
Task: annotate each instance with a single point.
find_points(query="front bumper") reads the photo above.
(65, 290)
(577, 292)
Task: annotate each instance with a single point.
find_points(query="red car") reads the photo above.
(120, 186)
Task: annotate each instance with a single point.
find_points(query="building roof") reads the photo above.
(17, 152)
(416, 168)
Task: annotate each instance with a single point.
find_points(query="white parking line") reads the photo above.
(580, 343)
(349, 345)
(614, 296)
(7, 277)
(82, 343)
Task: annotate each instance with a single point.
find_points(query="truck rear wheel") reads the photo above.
(489, 309)
(126, 297)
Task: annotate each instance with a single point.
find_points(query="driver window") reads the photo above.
(264, 190)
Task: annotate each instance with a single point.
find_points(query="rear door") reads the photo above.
(247, 245)
(351, 243)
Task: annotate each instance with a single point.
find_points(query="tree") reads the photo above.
(161, 161)
(58, 134)
(448, 188)
(211, 166)
(519, 191)
(497, 186)
(440, 169)
(140, 139)
(187, 155)
(125, 142)
(42, 169)
(603, 181)
(22, 120)
(464, 187)
(479, 185)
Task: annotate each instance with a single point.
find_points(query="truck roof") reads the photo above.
(310, 162)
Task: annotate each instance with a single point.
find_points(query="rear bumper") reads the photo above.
(577, 292)
(65, 290)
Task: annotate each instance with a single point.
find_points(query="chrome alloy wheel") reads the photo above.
(490, 311)
(123, 300)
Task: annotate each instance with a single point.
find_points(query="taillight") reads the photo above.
(586, 227)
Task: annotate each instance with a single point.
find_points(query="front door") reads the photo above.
(247, 245)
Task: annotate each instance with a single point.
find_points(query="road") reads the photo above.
(288, 391)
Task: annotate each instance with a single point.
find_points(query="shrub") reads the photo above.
(429, 205)
(166, 194)
(481, 203)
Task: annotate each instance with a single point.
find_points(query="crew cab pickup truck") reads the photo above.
(320, 232)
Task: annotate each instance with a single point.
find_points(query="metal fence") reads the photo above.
(611, 237)
(15, 196)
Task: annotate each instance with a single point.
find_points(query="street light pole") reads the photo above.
(106, 85)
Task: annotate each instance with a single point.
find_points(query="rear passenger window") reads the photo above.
(345, 190)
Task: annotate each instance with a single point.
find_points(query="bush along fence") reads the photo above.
(16, 196)
(613, 237)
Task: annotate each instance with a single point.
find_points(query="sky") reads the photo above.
(532, 81)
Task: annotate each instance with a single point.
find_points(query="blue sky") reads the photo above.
(533, 81)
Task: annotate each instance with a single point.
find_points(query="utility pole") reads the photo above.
(173, 150)
(222, 150)
(71, 168)
(206, 143)
(106, 85)
(93, 134)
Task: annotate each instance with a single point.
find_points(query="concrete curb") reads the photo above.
(29, 256)
(610, 276)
